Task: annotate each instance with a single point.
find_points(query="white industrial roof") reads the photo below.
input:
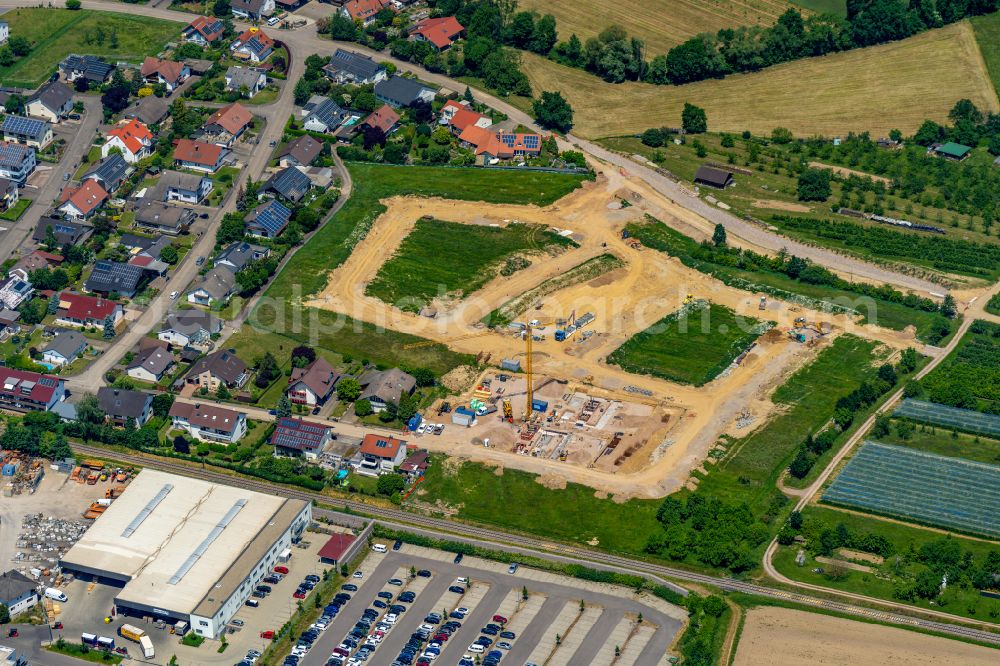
(173, 537)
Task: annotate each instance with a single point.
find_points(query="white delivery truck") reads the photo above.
(55, 594)
(147, 646)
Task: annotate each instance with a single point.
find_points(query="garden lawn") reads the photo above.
(690, 346)
(280, 310)
(449, 257)
(515, 500)
(56, 33)
(14, 213)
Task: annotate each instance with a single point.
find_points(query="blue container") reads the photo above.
(414, 422)
(9, 469)
(539, 406)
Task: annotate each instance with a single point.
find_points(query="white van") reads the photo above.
(378, 547)
(476, 648)
(56, 595)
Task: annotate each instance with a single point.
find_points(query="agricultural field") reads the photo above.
(993, 305)
(306, 272)
(970, 377)
(913, 79)
(919, 487)
(588, 270)
(931, 326)
(987, 29)
(690, 346)
(964, 420)
(823, 6)
(942, 441)
(56, 33)
(439, 257)
(661, 24)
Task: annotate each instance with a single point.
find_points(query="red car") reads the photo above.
(281, 570)
(500, 618)
(267, 635)
(299, 594)
(441, 637)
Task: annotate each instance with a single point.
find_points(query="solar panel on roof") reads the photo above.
(22, 125)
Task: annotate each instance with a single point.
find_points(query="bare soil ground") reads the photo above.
(844, 171)
(785, 637)
(774, 204)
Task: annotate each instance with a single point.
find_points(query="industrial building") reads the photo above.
(187, 550)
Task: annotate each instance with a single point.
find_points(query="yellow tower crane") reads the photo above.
(529, 334)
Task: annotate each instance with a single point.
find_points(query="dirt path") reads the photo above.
(844, 171)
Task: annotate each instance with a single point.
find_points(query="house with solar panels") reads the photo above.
(89, 68)
(17, 161)
(399, 91)
(62, 231)
(294, 438)
(110, 172)
(29, 131)
(290, 184)
(252, 45)
(114, 277)
(268, 220)
(350, 67)
(26, 391)
(15, 289)
(322, 114)
(203, 30)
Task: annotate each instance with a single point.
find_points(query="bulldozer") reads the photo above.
(508, 411)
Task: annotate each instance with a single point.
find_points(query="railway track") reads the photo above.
(397, 518)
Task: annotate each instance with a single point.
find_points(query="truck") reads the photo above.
(89, 639)
(131, 632)
(147, 647)
(92, 479)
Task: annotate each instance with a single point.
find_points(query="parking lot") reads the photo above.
(562, 622)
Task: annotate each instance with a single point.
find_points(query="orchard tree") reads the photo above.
(814, 185)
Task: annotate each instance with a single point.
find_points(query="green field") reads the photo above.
(690, 346)
(970, 376)
(987, 31)
(280, 312)
(56, 33)
(944, 442)
(439, 258)
(838, 7)
(572, 514)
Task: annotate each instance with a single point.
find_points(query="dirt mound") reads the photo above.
(460, 379)
(552, 481)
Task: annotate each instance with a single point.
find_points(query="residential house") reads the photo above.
(203, 30)
(380, 387)
(717, 178)
(189, 328)
(268, 219)
(416, 464)
(289, 5)
(209, 423)
(321, 177)
(189, 188)
(136, 244)
(113, 277)
(218, 368)
(198, 155)
(252, 9)
(164, 218)
(132, 138)
(110, 172)
(82, 201)
(216, 286)
(302, 151)
(295, 437)
(167, 72)
(350, 67)
(17, 592)
(29, 131)
(63, 232)
(26, 391)
(227, 124)
(4, 36)
(237, 256)
(9, 194)
(123, 406)
(323, 114)
(381, 453)
(246, 80)
(88, 67)
(440, 32)
(313, 384)
(38, 260)
(399, 91)
(364, 11)
(52, 102)
(289, 184)
(8, 323)
(17, 162)
(86, 311)
(459, 116)
(64, 349)
(252, 45)
(150, 364)
(150, 110)
(383, 119)
(15, 289)
(501, 145)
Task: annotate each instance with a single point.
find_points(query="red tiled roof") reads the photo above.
(335, 548)
(202, 24)
(81, 307)
(380, 447)
(250, 33)
(133, 134)
(489, 141)
(85, 198)
(42, 391)
(464, 118)
(384, 118)
(141, 260)
(197, 152)
(362, 9)
(168, 70)
(441, 32)
(233, 118)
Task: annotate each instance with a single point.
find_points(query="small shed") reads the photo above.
(333, 550)
(713, 177)
(511, 365)
(463, 416)
(952, 151)
(9, 469)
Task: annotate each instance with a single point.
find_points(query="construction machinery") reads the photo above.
(688, 299)
(763, 303)
(508, 411)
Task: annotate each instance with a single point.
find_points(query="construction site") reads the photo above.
(627, 433)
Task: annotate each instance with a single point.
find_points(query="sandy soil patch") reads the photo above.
(785, 637)
(844, 171)
(552, 481)
(774, 204)
(460, 379)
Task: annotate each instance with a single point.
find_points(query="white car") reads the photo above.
(476, 648)
(173, 295)
(391, 618)
(358, 574)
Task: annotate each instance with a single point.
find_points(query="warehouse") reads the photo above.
(184, 549)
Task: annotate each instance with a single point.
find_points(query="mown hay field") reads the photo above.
(661, 24)
(895, 85)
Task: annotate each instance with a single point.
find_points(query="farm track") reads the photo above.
(559, 552)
